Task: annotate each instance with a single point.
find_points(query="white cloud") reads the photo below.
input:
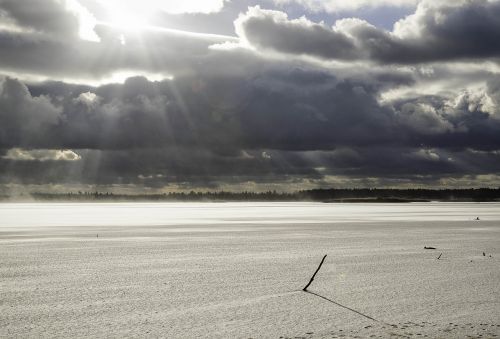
(88, 98)
(86, 20)
(150, 177)
(346, 5)
(426, 154)
(472, 100)
(169, 6)
(266, 155)
(424, 119)
(190, 6)
(20, 154)
(121, 76)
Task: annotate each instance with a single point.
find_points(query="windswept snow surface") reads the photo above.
(235, 270)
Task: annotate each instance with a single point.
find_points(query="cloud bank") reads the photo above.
(286, 102)
(434, 33)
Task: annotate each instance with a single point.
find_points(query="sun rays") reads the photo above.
(135, 15)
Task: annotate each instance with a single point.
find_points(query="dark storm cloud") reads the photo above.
(403, 161)
(46, 42)
(468, 120)
(47, 16)
(436, 32)
(151, 168)
(226, 113)
(154, 51)
(232, 114)
(23, 118)
(222, 130)
(447, 32)
(218, 112)
(433, 33)
(157, 168)
(273, 29)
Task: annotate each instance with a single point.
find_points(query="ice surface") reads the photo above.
(235, 270)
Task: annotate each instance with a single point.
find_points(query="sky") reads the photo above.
(151, 96)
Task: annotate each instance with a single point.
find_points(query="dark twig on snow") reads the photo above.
(330, 300)
(312, 278)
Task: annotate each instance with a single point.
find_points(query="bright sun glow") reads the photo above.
(135, 14)
(126, 19)
(127, 15)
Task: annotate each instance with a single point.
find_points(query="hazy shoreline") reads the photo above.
(315, 195)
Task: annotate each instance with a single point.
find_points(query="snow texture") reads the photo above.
(236, 270)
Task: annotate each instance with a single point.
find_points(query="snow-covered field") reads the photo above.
(235, 270)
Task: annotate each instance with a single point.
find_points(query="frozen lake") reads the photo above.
(235, 270)
(163, 214)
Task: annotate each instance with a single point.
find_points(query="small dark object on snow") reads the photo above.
(312, 278)
(484, 254)
(429, 248)
(478, 218)
(440, 256)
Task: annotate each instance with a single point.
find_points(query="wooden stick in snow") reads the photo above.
(312, 278)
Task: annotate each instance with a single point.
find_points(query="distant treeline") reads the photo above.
(395, 195)
(322, 195)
